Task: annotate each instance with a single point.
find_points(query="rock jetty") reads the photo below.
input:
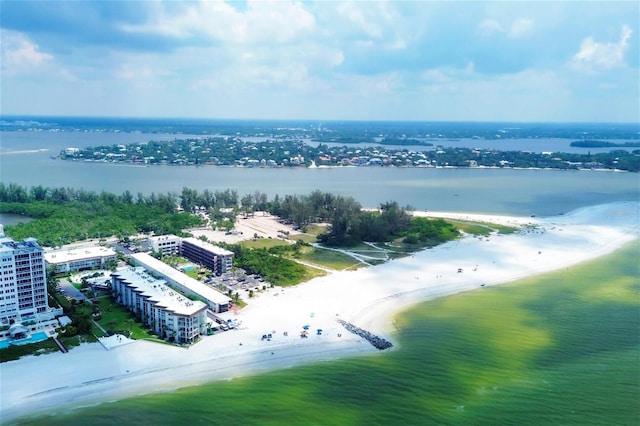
(377, 342)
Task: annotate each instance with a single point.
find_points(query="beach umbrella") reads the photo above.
(306, 327)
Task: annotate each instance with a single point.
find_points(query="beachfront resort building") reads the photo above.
(168, 245)
(215, 258)
(217, 301)
(168, 313)
(80, 259)
(23, 289)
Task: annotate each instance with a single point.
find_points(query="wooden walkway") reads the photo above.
(62, 348)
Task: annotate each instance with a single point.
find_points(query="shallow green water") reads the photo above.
(562, 348)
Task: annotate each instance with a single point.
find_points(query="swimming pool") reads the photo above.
(187, 268)
(34, 338)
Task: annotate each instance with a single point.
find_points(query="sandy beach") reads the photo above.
(258, 225)
(368, 298)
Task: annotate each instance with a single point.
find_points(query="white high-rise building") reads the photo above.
(23, 281)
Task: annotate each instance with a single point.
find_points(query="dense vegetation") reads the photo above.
(270, 264)
(14, 352)
(349, 224)
(604, 144)
(65, 215)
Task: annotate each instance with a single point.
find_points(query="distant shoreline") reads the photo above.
(132, 164)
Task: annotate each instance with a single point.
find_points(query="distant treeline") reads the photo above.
(326, 130)
(604, 144)
(65, 215)
(388, 140)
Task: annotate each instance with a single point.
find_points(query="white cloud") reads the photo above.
(347, 59)
(520, 27)
(356, 15)
(263, 21)
(267, 43)
(596, 56)
(517, 28)
(21, 55)
(449, 74)
(378, 24)
(490, 26)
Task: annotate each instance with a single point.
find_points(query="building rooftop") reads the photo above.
(208, 246)
(70, 255)
(8, 244)
(167, 237)
(189, 283)
(159, 292)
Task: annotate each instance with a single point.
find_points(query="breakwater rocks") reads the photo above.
(377, 342)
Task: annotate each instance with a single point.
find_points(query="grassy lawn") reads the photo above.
(193, 273)
(482, 228)
(311, 273)
(62, 301)
(305, 238)
(266, 243)
(118, 318)
(315, 229)
(372, 252)
(327, 258)
(97, 331)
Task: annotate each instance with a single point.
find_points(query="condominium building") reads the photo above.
(23, 287)
(217, 301)
(80, 259)
(168, 245)
(213, 257)
(167, 312)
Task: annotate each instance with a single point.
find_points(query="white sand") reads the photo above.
(367, 297)
(260, 224)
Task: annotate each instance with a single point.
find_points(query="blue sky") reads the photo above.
(332, 60)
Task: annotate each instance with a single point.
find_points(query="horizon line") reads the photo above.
(352, 120)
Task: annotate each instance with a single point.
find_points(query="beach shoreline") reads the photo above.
(368, 298)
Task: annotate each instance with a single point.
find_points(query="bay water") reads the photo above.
(25, 159)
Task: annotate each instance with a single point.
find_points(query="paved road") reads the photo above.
(67, 289)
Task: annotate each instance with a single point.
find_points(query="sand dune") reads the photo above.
(367, 298)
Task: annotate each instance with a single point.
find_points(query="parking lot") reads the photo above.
(69, 291)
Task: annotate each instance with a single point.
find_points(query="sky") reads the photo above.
(507, 61)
